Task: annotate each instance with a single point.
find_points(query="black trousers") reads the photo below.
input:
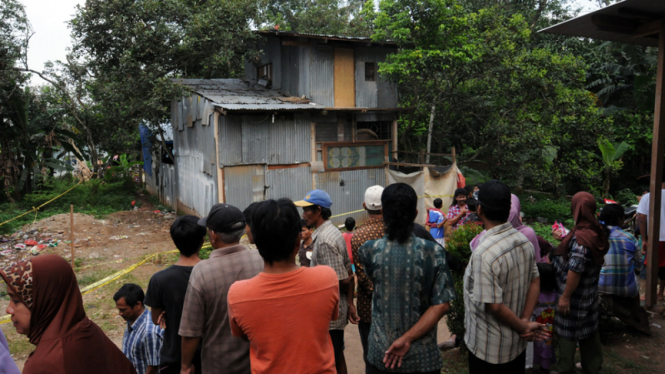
(337, 337)
(478, 366)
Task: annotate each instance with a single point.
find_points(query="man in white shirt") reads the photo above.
(642, 220)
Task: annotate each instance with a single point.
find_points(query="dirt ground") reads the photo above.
(104, 246)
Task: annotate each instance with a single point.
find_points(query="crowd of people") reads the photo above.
(284, 307)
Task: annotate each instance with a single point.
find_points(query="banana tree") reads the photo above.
(611, 159)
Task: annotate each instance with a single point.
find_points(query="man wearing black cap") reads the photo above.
(205, 313)
(501, 288)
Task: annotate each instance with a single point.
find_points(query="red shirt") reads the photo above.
(347, 238)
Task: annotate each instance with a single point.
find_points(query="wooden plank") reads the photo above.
(344, 79)
(409, 165)
(431, 154)
(648, 29)
(657, 150)
(295, 44)
(394, 137)
(312, 140)
(220, 171)
(292, 166)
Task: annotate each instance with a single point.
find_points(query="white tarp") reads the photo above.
(429, 185)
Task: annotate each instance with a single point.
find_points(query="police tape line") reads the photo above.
(36, 209)
(103, 282)
(121, 260)
(362, 210)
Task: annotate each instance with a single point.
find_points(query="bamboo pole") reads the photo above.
(71, 230)
(657, 150)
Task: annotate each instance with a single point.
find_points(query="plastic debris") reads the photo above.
(20, 246)
(30, 242)
(118, 237)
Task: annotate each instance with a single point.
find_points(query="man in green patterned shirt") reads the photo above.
(412, 290)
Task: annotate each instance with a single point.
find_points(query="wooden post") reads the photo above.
(71, 230)
(453, 154)
(657, 150)
(395, 139)
(421, 156)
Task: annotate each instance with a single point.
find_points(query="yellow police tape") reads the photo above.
(362, 210)
(35, 209)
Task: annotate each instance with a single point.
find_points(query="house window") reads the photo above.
(348, 156)
(264, 72)
(370, 71)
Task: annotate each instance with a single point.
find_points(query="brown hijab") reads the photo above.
(67, 341)
(587, 231)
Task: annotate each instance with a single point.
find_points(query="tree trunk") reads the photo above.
(429, 132)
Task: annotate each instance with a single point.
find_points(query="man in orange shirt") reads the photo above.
(284, 312)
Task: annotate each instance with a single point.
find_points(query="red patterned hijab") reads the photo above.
(67, 341)
(587, 231)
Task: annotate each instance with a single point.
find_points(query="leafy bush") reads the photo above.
(626, 196)
(95, 197)
(553, 210)
(458, 244)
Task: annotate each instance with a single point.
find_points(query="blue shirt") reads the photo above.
(435, 217)
(617, 277)
(408, 278)
(142, 342)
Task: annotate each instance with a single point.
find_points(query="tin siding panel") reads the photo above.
(290, 70)
(366, 91)
(230, 140)
(322, 76)
(349, 197)
(293, 183)
(244, 185)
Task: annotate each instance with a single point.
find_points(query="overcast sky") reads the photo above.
(51, 38)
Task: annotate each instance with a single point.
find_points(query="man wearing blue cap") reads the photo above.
(329, 248)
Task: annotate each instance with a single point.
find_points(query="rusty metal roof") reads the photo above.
(361, 39)
(239, 95)
(629, 21)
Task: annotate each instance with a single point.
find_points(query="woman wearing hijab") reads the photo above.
(46, 305)
(577, 262)
(7, 364)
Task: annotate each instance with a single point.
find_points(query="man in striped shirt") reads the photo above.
(142, 341)
(501, 288)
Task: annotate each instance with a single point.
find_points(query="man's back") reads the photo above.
(205, 313)
(166, 291)
(499, 272)
(286, 318)
(408, 278)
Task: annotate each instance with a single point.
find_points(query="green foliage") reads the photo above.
(611, 158)
(328, 17)
(94, 197)
(205, 253)
(458, 246)
(553, 210)
(626, 196)
(121, 171)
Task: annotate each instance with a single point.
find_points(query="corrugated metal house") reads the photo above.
(312, 112)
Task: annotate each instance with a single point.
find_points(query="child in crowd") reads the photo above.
(350, 225)
(305, 252)
(435, 221)
(543, 351)
(472, 203)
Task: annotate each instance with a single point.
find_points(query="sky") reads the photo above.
(51, 37)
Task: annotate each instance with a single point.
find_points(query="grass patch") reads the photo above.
(543, 206)
(18, 344)
(87, 279)
(95, 197)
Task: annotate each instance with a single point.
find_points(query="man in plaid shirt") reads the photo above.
(329, 248)
(457, 213)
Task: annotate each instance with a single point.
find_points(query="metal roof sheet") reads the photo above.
(629, 21)
(362, 39)
(236, 94)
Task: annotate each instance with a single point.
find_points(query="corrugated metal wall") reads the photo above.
(255, 139)
(378, 94)
(244, 185)
(366, 91)
(271, 47)
(347, 190)
(290, 70)
(321, 75)
(293, 183)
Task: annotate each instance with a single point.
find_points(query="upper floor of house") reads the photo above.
(334, 71)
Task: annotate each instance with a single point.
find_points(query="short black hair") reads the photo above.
(133, 294)
(479, 185)
(303, 223)
(547, 277)
(276, 227)
(611, 214)
(494, 198)
(399, 202)
(472, 203)
(438, 203)
(187, 234)
(469, 189)
(349, 223)
(460, 192)
(325, 212)
(248, 212)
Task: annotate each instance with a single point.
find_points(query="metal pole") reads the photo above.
(71, 230)
(657, 151)
(429, 133)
